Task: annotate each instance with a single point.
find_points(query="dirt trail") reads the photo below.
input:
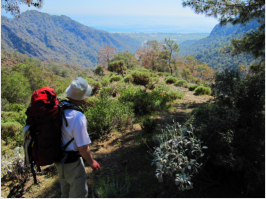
(120, 151)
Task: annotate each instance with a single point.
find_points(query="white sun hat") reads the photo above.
(79, 89)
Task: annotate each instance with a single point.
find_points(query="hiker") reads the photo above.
(72, 175)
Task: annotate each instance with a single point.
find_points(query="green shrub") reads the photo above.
(117, 66)
(160, 74)
(34, 75)
(153, 74)
(105, 81)
(106, 114)
(4, 104)
(129, 78)
(149, 125)
(111, 187)
(235, 127)
(181, 83)
(117, 87)
(96, 86)
(60, 84)
(15, 87)
(152, 83)
(10, 130)
(171, 80)
(166, 74)
(19, 117)
(106, 91)
(155, 80)
(116, 78)
(143, 102)
(162, 88)
(193, 87)
(89, 102)
(99, 71)
(201, 90)
(15, 107)
(141, 78)
(175, 95)
(143, 70)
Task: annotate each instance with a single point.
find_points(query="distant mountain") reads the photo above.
(207, 50)
(59, 38)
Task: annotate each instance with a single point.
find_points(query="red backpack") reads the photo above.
(44, 115)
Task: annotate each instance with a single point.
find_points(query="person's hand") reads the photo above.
(95, 166)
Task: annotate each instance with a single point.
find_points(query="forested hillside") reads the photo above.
(58, 38)
(207, 50)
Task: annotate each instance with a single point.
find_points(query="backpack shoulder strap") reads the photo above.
(63, 106)
(69, 105)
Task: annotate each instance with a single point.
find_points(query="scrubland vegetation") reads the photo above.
(124, 96)
(216, 150)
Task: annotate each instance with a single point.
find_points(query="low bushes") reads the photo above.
(116, 78)
(89, 102)
(15, 87)
(141, 78)
(193, 87)
(201, 90)
(162, 88)
(99, 70)
(160, 74)
(117, 66)
(106, 91)
(129, 78)
(15, 107)
(4, 104)
(117, 87)
(175, 95)
(19, 117)
(181, 83)
(171, 80)
(152, 83)
(107, 114)
(114, 187)
(149, 125)
(143, 102)
(11, 131)
(96, 86)
(105, 81)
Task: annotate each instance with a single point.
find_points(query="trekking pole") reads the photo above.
(33, 173)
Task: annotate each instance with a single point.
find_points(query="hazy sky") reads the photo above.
(129, 16)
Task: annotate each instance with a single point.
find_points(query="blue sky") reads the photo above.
(129, 16)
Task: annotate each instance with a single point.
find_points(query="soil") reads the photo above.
(121, 153)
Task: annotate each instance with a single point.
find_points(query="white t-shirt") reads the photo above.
(77, 129)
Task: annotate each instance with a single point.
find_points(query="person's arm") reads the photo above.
(86, 154)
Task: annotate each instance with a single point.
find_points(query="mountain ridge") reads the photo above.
(207, 50)
(59, 38)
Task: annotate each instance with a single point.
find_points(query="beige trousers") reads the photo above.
(73, 179)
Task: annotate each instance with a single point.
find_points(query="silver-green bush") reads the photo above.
(178, 155)
(13, 166)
